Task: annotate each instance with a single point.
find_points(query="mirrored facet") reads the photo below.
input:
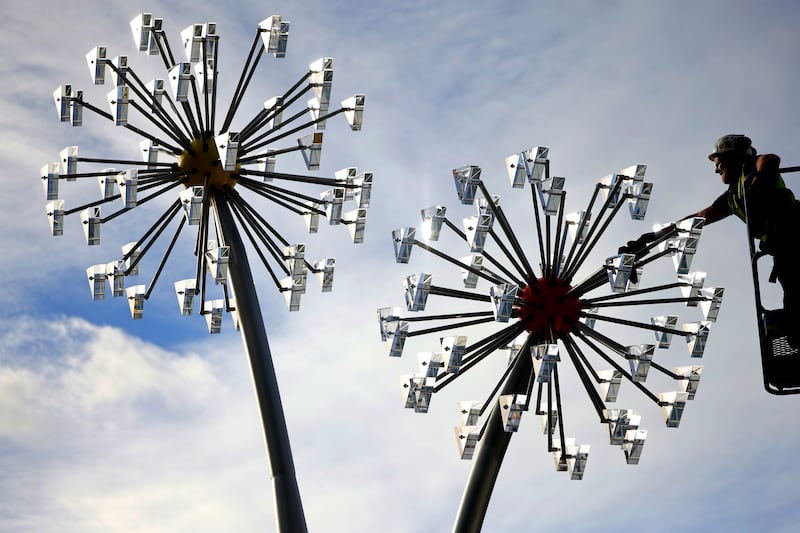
(295, 258)
(116, 278)
(691, 284)
(323, 270)
(180, 79)
(50, 177)
(76, 109)
(690, 379)
(664, 338)
(576, 461)
(640, 201)
(108, 183)
(453, 350)
(292, 292)
(578, 225)
(696, 342)
(610, 381)
(475, 264)
(620, 421)
(356, 222)
(90, 220)
(712, 303)
(135, 296)
(416, 289)
(403, 240)
(228, 148)
(274, 34)
(128, 183)
(194, 37)
(62, 96)
(131, 253)
(149, 151)
(432, 220)
(118, 102)
(430, 363)
(69, 160)
(511, 408)
(363, 194)
(549, 422)
(552, 195)
(333, 202)
(141, 26)
(387, 316)
(466, 179)
(213, 312)
(192, 203)
(274, 109)
(185, 291)
(619, 268)
(634, 442)
(119, 70)
(354, 111)
(672, 405)
(469, 412)
(545, 356)
(97, 61)
(503, 297)
(639, 357)
(535, 161)
(467, 438)
(517, 175)
(217, 258)
(96, 275)
(311, 148)
(155, 93)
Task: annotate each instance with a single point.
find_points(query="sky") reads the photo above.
(110, 424)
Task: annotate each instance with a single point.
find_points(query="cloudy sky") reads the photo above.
(107, 424)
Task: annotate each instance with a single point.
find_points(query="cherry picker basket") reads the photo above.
(780, 362)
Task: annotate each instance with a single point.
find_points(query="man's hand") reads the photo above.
(638, 246)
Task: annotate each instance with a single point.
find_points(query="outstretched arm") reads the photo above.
(712, 213)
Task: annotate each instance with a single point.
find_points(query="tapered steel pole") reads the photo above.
(489, 457)
(289, 514)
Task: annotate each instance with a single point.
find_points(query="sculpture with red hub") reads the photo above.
(551, 321)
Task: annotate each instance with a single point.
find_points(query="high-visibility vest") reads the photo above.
(784, 201)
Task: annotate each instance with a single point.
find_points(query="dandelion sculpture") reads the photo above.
(547, 316)
(204, 161)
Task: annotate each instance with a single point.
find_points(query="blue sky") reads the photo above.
(107, 424)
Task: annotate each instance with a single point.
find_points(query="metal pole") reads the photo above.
(289, 515)
(489, 457)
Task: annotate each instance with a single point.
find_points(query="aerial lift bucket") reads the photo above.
(780, 362)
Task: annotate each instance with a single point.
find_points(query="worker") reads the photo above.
(772, 211)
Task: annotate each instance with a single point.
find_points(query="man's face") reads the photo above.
(728, 167)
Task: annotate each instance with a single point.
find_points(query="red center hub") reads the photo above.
(545, 307)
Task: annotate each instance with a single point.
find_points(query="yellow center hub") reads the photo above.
(202, 163)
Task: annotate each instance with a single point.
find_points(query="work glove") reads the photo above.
(638, 246)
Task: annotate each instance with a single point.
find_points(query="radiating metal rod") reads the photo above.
(488, 256)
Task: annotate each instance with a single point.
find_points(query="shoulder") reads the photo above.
(768, 163)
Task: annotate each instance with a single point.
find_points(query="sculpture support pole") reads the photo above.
(489, 457)
(289, 514)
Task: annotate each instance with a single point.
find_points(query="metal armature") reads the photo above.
(187, 150)
(221, 171)
(550, 321)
